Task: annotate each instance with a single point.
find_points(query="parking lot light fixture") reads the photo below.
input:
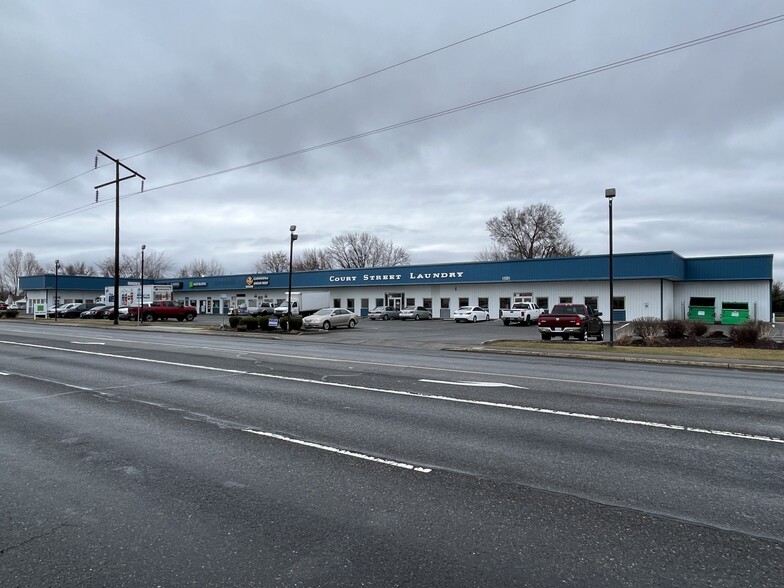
(292, 228)
(56, 286)
(141, 281)
(609, 193)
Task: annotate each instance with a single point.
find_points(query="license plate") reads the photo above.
(557, 329)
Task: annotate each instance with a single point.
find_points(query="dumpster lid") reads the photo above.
(735, 305)
(701, 301)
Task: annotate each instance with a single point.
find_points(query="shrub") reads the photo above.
(250, 323)
(646, 327)
(9, 313)
(296, 323)
(234, 321)
(696, 328)
(625, 340)
(674, 329)
(747, 334)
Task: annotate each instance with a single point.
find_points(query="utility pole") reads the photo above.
(116, 181)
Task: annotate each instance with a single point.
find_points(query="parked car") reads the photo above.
(76, 311)
(94, 312)
(108, 312)
(415, 312)
(3, 306)
(384, 313)
(263, 309)
(330, 318)
(471, 314)
(62, 308)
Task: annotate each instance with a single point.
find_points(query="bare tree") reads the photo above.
(535, 231)
(777, 296)
(202, 268)
(313, 259)
(274, 262)
(492, 253)
(17, 264)
(156, 265)
(355, 250)
(78, 268)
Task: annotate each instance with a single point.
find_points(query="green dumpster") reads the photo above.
(702, 309)
(734, 313)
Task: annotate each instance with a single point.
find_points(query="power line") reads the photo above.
(540, 86)
(306, 97)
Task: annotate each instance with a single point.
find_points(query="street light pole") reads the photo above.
(609, 193)
(141, 302)
(292, 228)
(56, 287)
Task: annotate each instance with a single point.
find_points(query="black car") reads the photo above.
(76, 311)
(94, 312)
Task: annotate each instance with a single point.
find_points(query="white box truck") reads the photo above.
(303, 303)
(130, 294)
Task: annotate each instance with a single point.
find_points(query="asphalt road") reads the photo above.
(136, 458)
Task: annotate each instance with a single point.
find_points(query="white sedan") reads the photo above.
(471, 314)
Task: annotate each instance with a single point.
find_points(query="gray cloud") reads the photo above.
(692, 140)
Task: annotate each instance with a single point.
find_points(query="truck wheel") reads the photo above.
(528, 320)
(506, 322)
(600, 335)
(545, 336)
(352, 323)
(326, 326)
(149, 317)
(189, 317)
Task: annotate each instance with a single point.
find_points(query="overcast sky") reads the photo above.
(692, 140)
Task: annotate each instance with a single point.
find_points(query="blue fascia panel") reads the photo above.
(738, 267)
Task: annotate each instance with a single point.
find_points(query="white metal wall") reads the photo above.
(756, 293)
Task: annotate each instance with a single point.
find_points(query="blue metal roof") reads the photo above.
(666, 265)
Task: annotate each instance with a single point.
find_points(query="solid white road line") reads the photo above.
(501, 405)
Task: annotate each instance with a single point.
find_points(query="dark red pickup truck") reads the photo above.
(163, 310)
(566, 320)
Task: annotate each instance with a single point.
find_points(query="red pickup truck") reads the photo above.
(565, 320)
(163, 310)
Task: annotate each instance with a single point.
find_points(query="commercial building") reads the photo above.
(659, 284)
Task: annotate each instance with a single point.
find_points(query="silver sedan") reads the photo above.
(330, 318)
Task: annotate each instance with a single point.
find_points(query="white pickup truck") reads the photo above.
(521, 312)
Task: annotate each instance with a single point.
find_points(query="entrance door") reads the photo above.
(396, 301)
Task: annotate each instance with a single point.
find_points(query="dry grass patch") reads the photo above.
(711, 352)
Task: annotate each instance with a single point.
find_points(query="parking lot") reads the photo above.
(423, 333)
